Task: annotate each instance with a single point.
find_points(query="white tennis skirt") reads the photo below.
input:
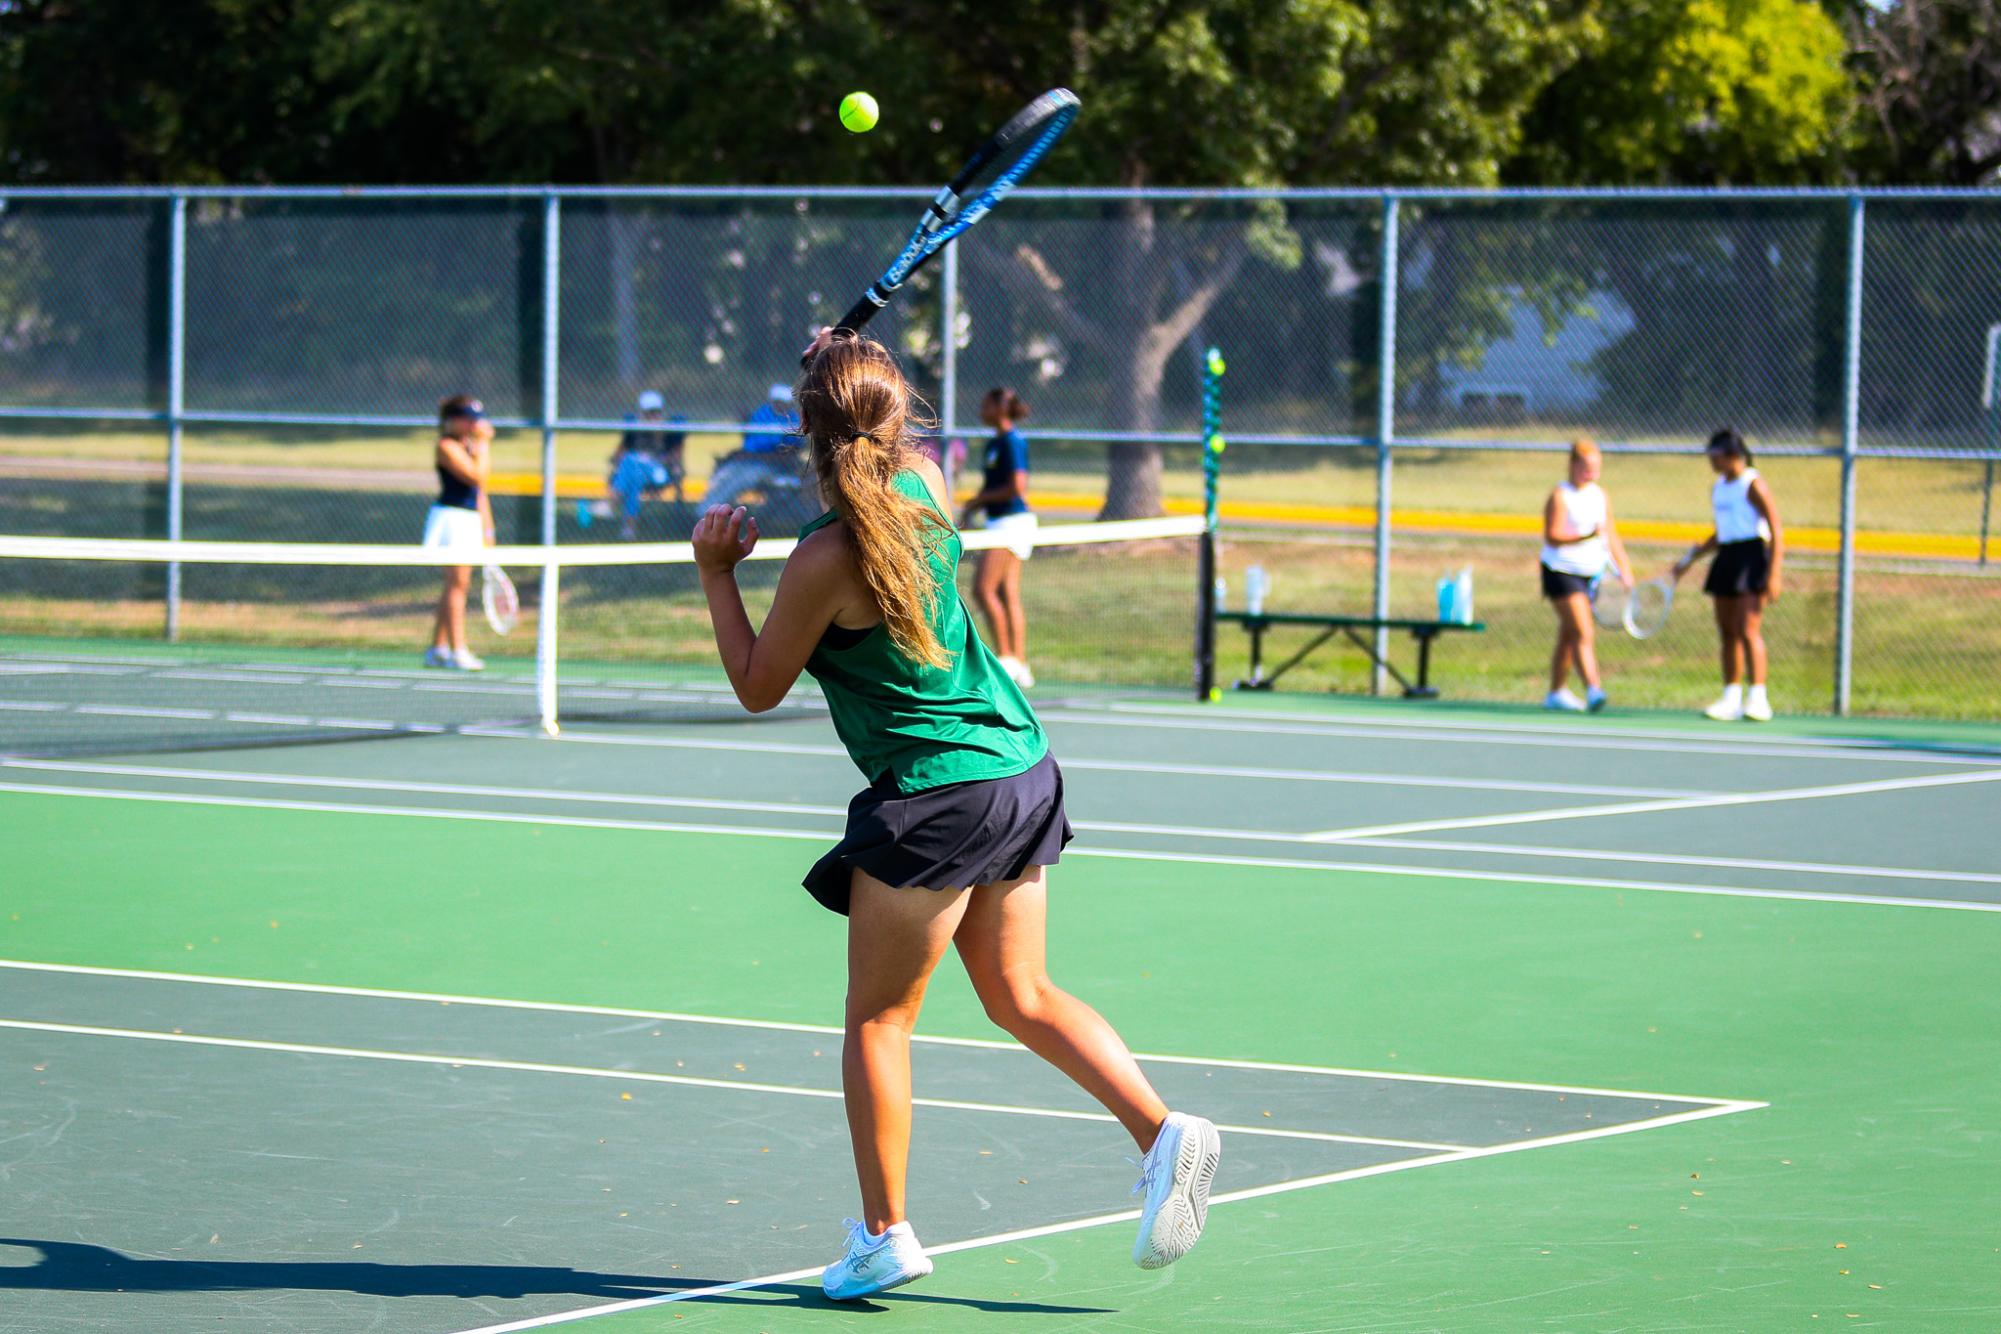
(451, 526)
(1018, 532)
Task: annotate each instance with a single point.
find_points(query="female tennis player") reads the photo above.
(460, 517)
(949, 843)
(1003, 496)
(1745, 577)
(1580, 545)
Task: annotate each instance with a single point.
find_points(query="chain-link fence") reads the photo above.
(265, 365)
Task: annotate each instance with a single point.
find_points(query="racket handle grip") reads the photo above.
(862, 312)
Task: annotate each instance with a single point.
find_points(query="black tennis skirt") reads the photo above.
(1740, 569)
(1558, 584)
(947, 837)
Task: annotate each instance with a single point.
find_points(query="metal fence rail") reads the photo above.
(248, 362)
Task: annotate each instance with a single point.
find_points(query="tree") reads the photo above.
(1929, 76)
(1250, 92)
(1693, 92)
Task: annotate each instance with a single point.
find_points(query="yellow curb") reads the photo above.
(1917, 546)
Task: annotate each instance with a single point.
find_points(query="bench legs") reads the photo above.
(1418, 689)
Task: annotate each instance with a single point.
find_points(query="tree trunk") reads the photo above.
(1133, 470)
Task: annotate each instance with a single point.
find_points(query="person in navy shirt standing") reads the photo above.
(461, 519)
(1003, 498)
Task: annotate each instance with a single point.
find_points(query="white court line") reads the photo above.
(1123, 854)
(1768, 748)
(818, 1030)
(1767, 741)
(655, 1077)
(578, 795)
(1517, 878)
(1124, 1216)
(1101, 766)
(1653, 807)
(1095, 826)
(1677, 859)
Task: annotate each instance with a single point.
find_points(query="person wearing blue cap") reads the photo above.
(649, 459)
(460, 518)
(769, 463)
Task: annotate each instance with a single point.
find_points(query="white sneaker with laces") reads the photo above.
(1175, 1177)
(872, 1265)
(1563, 701)
(465, 661)
(437, 657)
(1725, 710)
(1758, 709)
(1022, 676)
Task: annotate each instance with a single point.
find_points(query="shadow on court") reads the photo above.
(67, 1266)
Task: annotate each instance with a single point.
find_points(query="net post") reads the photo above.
(1205, 578)
(1386, 388)
(948, 377)
(545, 647)
(1851, 384)
(177, 305)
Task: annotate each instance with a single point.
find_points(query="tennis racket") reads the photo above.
(1609, 599)
(1647, 607)
(996, 167)
(497, 595)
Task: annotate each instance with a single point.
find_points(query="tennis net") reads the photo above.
(130, 645)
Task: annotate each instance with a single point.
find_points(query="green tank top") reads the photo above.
(915, 726)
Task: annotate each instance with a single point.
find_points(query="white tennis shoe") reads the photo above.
(1175, 1177)
(465, 660)
(1725, 710)
(1563, 701)
(871, 1266)
(1758, 709)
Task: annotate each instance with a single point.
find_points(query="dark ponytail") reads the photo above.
(1006, 403)
(1730, 445)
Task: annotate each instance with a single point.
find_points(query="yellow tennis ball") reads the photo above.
(859, 112)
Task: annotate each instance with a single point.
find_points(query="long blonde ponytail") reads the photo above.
(856, 411)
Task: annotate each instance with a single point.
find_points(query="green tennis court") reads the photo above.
(1511, 1023)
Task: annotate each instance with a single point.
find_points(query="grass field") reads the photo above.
(1928, 631)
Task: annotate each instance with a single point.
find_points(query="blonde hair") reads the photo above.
(856, 411)
(1585, 450)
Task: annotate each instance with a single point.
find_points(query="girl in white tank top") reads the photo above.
(1580, 544)
(1745, 576)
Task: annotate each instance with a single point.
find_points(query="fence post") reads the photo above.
(545, 620)
(1386, 393)
(948, 379)
(1851, 387)
(177, 306)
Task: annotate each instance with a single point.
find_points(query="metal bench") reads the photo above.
(1259, 623)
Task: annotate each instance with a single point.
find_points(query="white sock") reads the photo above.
(1757, 694)
(1733, 693)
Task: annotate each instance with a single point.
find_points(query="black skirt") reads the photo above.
(1558, 584)
(1739, 570)
(947, 837)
